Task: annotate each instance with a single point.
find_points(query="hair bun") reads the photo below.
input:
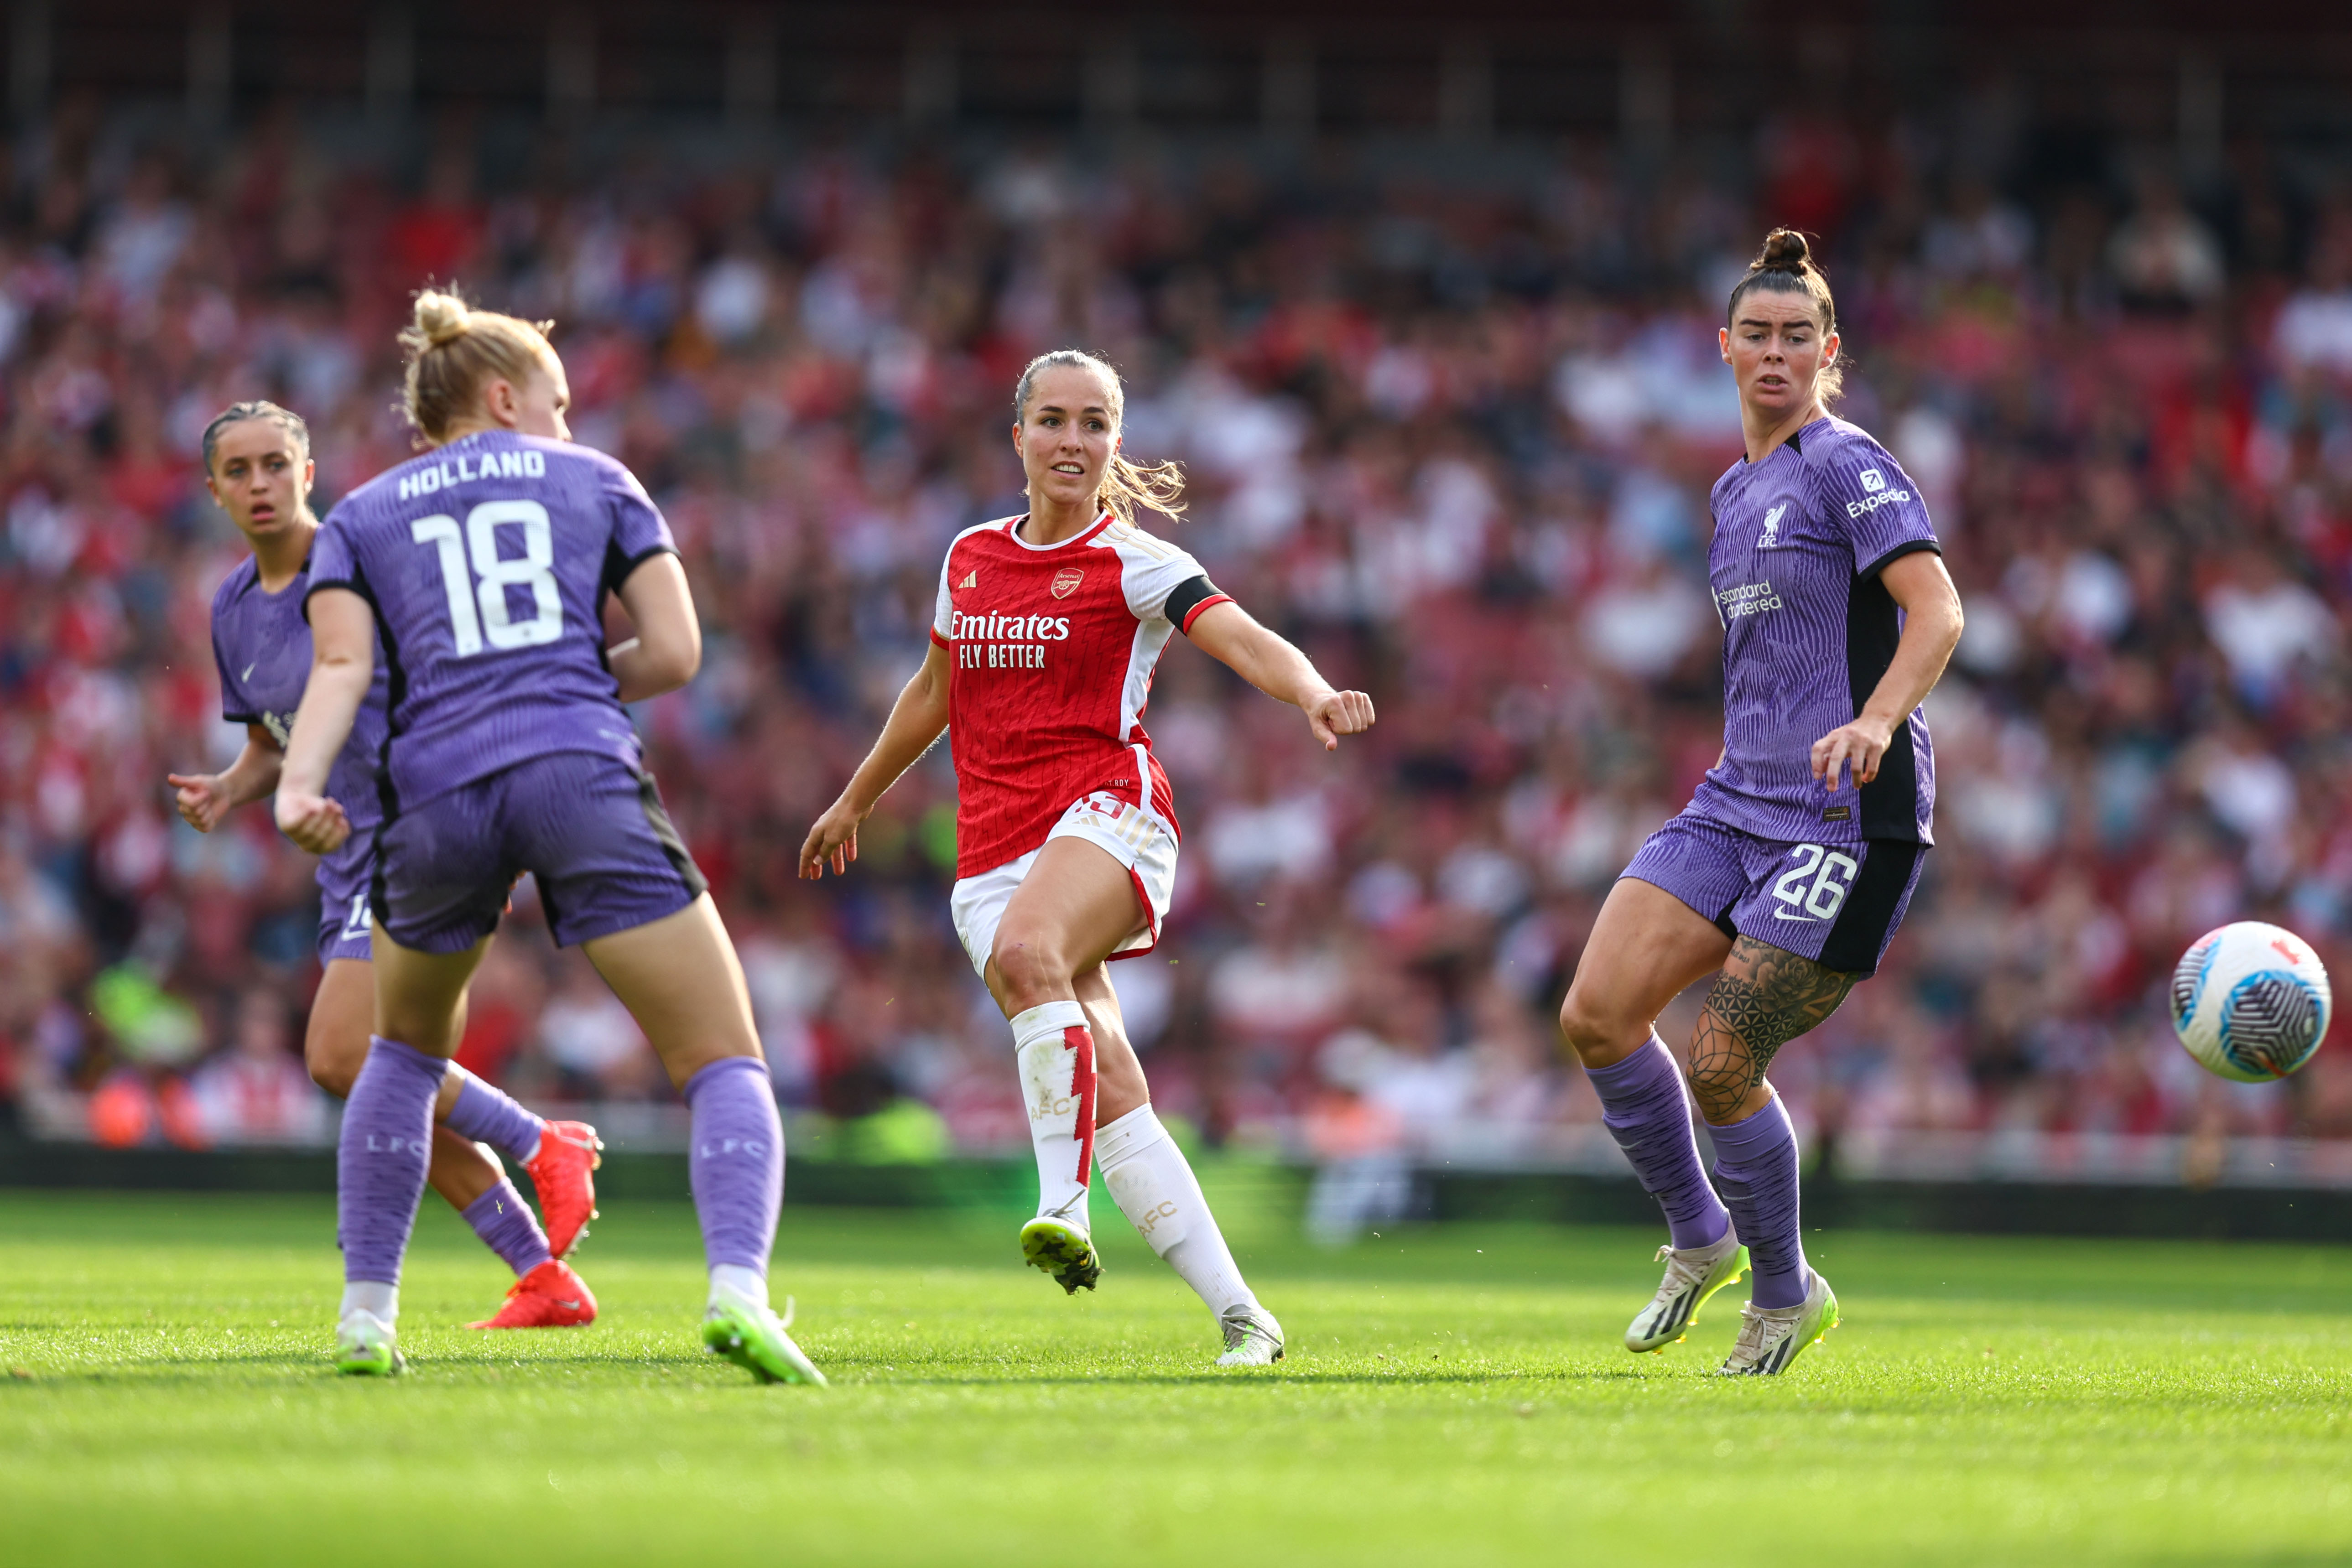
(440, 316)
(1784, 251)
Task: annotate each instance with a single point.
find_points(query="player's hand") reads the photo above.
(832, 843)
(1859, 746)
(203, 798)
(312, 821)
(1334, 713)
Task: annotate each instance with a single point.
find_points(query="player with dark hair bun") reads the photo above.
(1789, 871)
(257, 467)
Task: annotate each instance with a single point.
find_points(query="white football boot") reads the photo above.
(1693, 1274)
(1772, 1337)
(1251, 1336)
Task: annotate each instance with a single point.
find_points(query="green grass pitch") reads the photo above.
(1451, 1394)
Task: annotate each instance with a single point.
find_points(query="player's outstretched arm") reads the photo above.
(916, 721)
(668, 649)
(1271, 664)
(343, 663)
(1931, 630)
(204, 799)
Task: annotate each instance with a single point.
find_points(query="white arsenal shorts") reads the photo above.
(1138, 838)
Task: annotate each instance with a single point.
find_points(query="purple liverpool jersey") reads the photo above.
(1808, 630)
(262, 644)
(487, 561)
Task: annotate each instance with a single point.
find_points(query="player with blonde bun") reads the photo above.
(1047, 629)
(485, 565)
(1789, 871)
(258, 469)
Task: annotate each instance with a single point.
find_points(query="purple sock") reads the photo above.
(488, 1116)
(1755, 1164)
(1644, 1107)
(379, 1159)
(509, 1227)
(738, 1163)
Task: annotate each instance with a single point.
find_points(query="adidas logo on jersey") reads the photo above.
(970, 578)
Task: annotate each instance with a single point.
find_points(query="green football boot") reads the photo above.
(752, 1336)
(1772, 1337)
(1063, 1248)
(366, 1346)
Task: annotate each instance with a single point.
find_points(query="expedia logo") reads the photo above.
(1872, 480)
(1872, 503)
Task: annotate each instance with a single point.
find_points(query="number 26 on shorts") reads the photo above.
(1833, 875)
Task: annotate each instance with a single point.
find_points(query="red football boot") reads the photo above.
(563, 1174)
(549, 1296)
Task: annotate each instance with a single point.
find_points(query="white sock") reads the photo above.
(1153, 1184)
(741, 1283)
(1057, 1056)
(378, 1300)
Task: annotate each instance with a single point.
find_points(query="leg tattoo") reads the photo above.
(1764, 998)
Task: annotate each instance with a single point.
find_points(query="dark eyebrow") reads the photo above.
(1755, 321)
(1057, 408)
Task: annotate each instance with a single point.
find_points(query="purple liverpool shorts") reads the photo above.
(590, 827)
(343, 881)
(1837, 904)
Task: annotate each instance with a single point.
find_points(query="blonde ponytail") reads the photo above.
(1159, 487)
(1127, 487)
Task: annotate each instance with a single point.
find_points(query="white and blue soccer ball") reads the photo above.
(2251, 1001)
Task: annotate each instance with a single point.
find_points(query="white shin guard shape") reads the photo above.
(1056, 1056)
(1153, 1184)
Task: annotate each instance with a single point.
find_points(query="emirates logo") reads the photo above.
(1066, 581)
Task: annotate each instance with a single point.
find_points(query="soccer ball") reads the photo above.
(2251, 1001)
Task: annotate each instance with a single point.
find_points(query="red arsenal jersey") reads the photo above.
(1053, 649)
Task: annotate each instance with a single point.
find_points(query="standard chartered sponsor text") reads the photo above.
(1748, 598)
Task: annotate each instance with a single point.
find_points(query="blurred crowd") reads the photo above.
(1449, 425)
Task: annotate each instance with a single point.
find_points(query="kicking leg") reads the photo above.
(680, 978)
(1077, 904)
(1154, 1186)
